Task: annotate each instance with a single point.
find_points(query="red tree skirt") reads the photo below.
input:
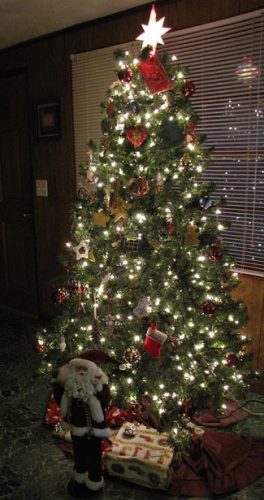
(228, 463)
(232, 415)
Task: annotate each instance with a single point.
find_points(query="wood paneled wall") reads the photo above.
(251, 291)
(49, 74)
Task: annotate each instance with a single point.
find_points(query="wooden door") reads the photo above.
(18, 289)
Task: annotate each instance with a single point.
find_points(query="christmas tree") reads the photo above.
(149, 282)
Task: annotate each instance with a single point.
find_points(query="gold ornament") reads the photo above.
(155, 244)
(185, 161)
(108, 192)
(90, 176)
(91, 256)
(192, 235)
(119, 209)
(116, 244)
(100, 219)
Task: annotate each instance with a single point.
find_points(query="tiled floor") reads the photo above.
(32, 466)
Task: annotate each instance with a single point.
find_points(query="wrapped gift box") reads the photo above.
(141, 455)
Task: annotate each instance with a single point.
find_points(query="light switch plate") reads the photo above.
(41, 187)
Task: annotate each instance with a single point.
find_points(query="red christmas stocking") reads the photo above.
(154, 341)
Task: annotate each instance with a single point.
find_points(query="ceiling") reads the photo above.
(22, 20)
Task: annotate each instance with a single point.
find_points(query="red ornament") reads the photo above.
(215, 253)
(232, 360)
(208, 308)
(60, 295)
(187, 409)
(136, 135)
(76, 288)
(138, 187)
(170, 225)
(125, 75)
(41, 345)
(105, 141)
(188, 89)
(155, 74)
(110, 108)
(192, 134)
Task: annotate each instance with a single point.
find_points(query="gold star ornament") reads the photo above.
(153, 31)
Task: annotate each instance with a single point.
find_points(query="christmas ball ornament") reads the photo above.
(215, 252)
(136, 135)
(60, 295)
(125, 75)
(138, 187)
(205, 202)
(247, 72)
(132, 355)
(232, 360)
(188, 89)
(187, 409)
(110, 321)
(133, 107)
(208, 308)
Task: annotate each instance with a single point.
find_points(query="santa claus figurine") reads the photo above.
(83, 391)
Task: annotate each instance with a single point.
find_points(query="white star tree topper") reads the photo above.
(153, 31)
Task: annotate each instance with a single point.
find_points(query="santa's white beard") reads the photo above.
(79, 386)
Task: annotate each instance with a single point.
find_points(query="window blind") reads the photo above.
(225, 62)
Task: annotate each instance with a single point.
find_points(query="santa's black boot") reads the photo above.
(77, 487)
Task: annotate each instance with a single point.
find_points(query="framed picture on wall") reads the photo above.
(49, 120)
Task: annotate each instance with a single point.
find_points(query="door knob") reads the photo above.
(26, 215)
